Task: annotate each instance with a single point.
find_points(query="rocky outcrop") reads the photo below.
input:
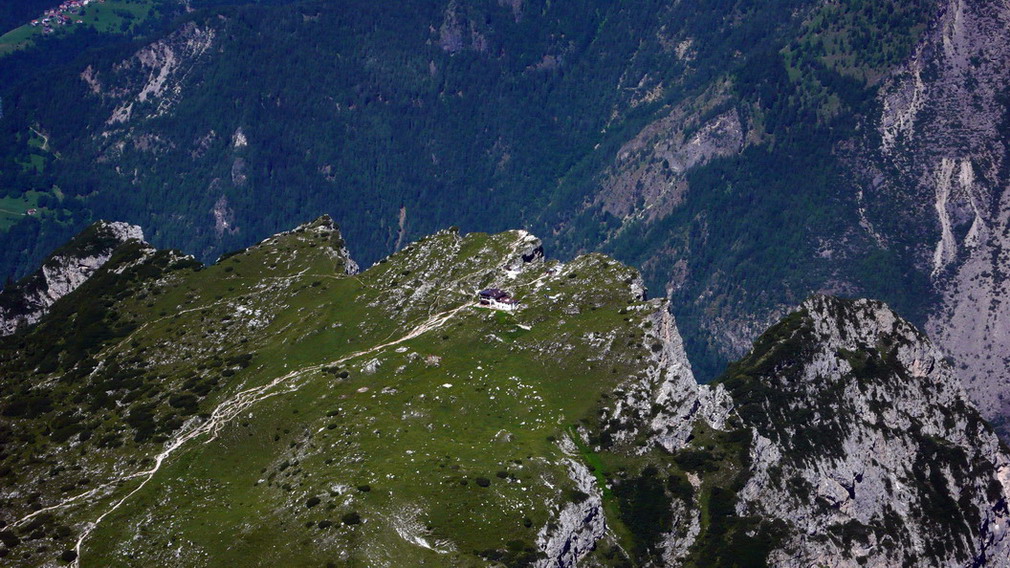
(667, 401)
(327, 231)
(575, 530)
(150, 82)
(144, 87)
(859, 445)
(458, 32)
(680, 399)
(526, 250)
(66, 269)
(865, 445)
(648, 176)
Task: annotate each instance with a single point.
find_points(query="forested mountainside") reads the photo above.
(279, 406)
(237, 121)
(742, 154)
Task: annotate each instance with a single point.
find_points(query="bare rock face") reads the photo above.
(146, 86)
(648, 179)
(862, 447)
(682, 401)
(942, 129)
(66, 269)
(665, 403)
(149, 83)
(458, 33)
(865, 445)
(577, 527)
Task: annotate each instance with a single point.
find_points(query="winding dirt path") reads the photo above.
(221, 416)
(236, 405)
(45, 139)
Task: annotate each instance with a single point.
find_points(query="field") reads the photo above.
(117, 16)
(113, 16)
(18, 38)
(12, 209)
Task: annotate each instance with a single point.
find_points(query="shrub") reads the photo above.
(483, 481)
(183, 400)
(645, 509)
(680, 488)
(28, 406)
(9, 539)
(312, 502)
(697, 460)
(351, 518)
(515, 555)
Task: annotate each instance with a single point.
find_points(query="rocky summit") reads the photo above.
(281, 408)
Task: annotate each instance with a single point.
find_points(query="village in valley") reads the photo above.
(62, 15)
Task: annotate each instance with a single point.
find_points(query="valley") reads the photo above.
(773, 331)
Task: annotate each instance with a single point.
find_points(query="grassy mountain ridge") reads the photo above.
(280, 407)
(310, 403)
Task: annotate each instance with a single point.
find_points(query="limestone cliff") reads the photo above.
(943, 147)
(66, 269)
(865, 445)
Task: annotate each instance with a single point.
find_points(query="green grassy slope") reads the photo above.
(270, 409)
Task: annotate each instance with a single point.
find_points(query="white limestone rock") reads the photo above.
(576, 529)
(65, 270)
(867, 448)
